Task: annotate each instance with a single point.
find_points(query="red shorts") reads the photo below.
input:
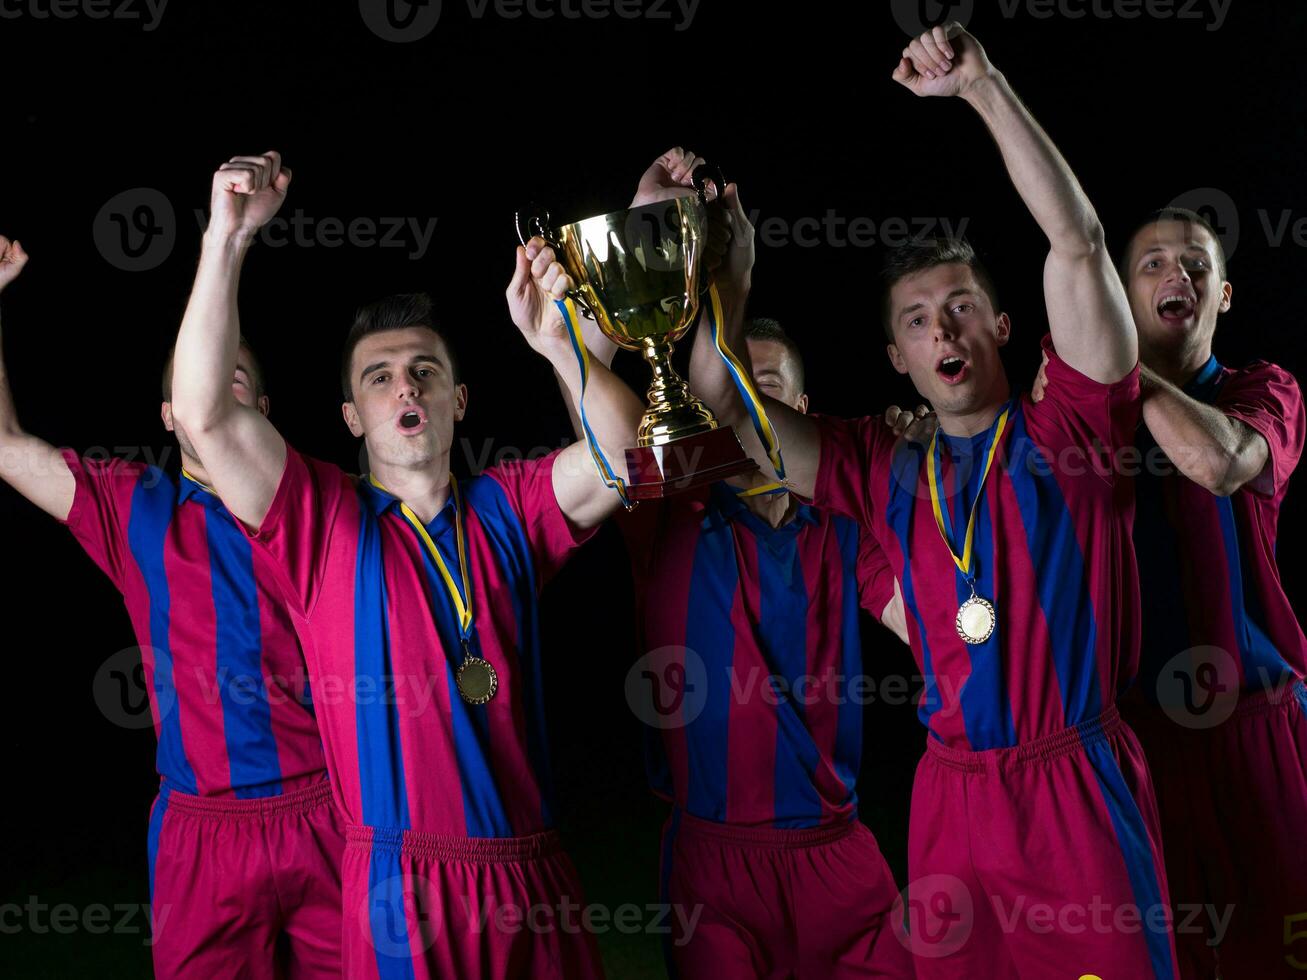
(758, 903)
(1233, 803)
(425, 906)
(246, 888)
(1039, 860)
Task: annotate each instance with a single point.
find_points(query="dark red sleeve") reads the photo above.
(875, 575)
(297, 529)
(529, 486)
(102, 507)
(854, 455)
(1268, 400)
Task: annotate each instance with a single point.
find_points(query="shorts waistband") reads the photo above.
(228, 808)
(778, 838)
(1042, 749)
(448, 847)
(1281, 698)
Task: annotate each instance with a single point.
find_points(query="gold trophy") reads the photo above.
(639, 274)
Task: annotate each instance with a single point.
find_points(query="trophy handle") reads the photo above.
(534, 220)
(704, 173)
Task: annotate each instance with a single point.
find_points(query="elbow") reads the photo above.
(1221, 474)
(195, 418)
(1081, 239)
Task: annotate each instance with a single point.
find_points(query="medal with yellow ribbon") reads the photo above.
(476, 677)
(976, 618)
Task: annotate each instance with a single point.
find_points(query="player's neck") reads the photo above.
(776, 508)
(976, 420)
(195, 469)
(1179, 366)
(424, 488)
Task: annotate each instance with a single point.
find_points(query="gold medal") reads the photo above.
(976, 620)
(477, 680)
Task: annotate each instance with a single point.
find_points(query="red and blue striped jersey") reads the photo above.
(1208, 563)
(404, 750)
(223, 666)
(1052, 548)
(760, 657)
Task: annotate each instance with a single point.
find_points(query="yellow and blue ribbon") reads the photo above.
(942, 521)
(568, 309)
(463, 606)
(771, 442)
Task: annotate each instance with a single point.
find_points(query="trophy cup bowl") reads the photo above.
(640, 275)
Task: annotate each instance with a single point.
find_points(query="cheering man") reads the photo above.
(244, 841)
(1033, 846)
(415, 583)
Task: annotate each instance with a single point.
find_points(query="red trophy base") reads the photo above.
(654, 472)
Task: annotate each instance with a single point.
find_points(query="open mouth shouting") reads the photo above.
(952, 369)
(411, 420)
(1177, 305)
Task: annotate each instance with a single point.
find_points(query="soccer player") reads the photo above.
(1033, 844)
(244, 841)
(419, 592)
(1229, 755)
(748, 613)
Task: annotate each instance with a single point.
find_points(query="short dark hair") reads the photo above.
(921, 254)
(392, 313)
(765, 328)
(260, 386)
(1184, 216)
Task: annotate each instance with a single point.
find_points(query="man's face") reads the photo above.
(776, 373)
(405, 399)
(1175, 288)
(242, 386)
(946, 337)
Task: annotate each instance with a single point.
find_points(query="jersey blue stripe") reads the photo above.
(714, 580)
(246, 712)
(848, 725)
(154, 501)
(380, 751)
(783, 637)
(1262, 667)
(483, 806)
(508, 542)
(905, 474)
(387, 918)
(1060, 572)
(984, 698)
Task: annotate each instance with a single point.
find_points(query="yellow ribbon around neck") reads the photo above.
(198, 483)
(464, 607)
(963, 563)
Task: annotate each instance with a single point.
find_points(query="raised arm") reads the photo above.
(731, 247)
(1088, 313)
(30, 465)
(612, 408)
(242, 452)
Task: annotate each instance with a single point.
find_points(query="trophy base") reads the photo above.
(654, 472)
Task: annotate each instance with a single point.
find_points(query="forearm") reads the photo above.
(29, 464)
(612, 408)
(1038, 170)
(710, 381)
(1215, 451)
(601, 350)
(209, 338)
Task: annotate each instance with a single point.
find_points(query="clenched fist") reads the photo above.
(943, 61)
(12, 260)
(247, 193)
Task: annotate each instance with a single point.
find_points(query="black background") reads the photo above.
(794, 101)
